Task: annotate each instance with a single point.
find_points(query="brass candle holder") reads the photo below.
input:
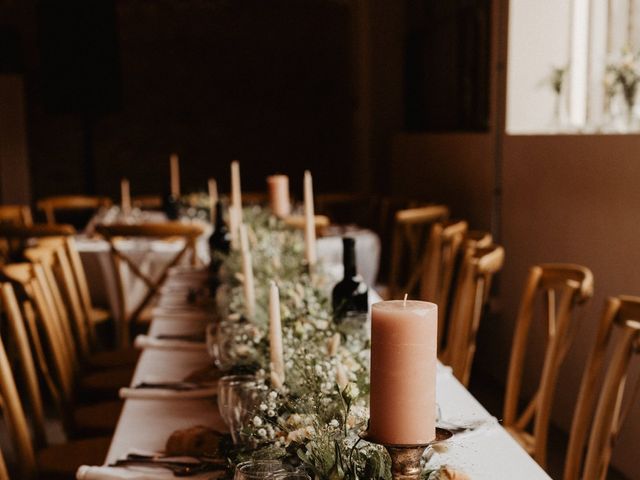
(405, 459)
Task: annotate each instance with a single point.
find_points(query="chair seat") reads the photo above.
(98, 419)
(124, 357)
(104, 385)
(62, 461)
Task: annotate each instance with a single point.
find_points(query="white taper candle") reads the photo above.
(247, 272)
(275, 337)
(309, 220)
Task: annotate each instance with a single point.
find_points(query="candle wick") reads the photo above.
(405, 300)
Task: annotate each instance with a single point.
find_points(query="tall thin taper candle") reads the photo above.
(309, 221)
(247, 272)
(275, 337)
(236, 190)
(125, 196)
(403, 372)
(234, 226)
(175, 175)
(213, 199)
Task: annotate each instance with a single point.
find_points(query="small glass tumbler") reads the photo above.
(259, 469)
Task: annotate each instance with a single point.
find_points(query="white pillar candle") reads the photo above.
(275, 337)
(236, 191)
(279, 195)
(234, 226)
(125, 196)
(213, 199)
(174, 164)
(247, 272)
(309, 221)
(403, 372)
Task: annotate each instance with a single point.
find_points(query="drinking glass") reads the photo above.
(231, 402)
(289, 476)
(259, 469)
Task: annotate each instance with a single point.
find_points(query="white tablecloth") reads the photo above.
(486, 454)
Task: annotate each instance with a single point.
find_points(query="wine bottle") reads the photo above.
(220, 239)
(350, 295)
(171, 206)
(219, 247)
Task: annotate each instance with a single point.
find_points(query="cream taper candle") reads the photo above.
(174, 165)
(279, 195)
(236, 190)
(125, 196)
(309, 221)
(213, 199)
(403, 372)
(247, 272)
(234, 226)
(275, 336)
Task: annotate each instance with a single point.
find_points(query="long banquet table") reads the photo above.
(488, 452)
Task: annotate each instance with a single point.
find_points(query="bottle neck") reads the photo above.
(349, 260)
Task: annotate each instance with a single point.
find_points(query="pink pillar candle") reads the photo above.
(403, 372)
(279, 195)
(125, 196)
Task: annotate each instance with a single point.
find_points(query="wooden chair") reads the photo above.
(409, 245)
(147, 202)
(57, 356)
(472, 290)
(34, 458)
(188, 233)
(19, 215)
(617, 341)
(54, 254)
(564, 287)
(51, 205)
(298, 222)
(437, 270)
(17, 237)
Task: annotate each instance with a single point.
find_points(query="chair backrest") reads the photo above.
(70, 202)
(20, 337)
(19, 215)
(188, 233)
(52, 252)
(16, 237)
(445, 242)
(298, 222)
(40, 315)
(409, 246)
(471, 293)
(83, 286)
(16, 419)
(618, 339)
(564, 286)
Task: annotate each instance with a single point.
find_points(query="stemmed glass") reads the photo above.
(288, 476)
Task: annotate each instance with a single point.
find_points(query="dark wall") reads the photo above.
(266, 82)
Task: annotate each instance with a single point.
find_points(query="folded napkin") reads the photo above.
(168, 394)
(145, 341)
(86, 472)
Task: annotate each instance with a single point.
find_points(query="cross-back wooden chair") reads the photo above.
(599, 412)
(445, 242)
(564, 287)
(16, 237)
(187, 233)
(34, 458)
(51, 205)
(409, 246)
(59, 256)
(478, 267)
(298, 222)
(56, 358)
